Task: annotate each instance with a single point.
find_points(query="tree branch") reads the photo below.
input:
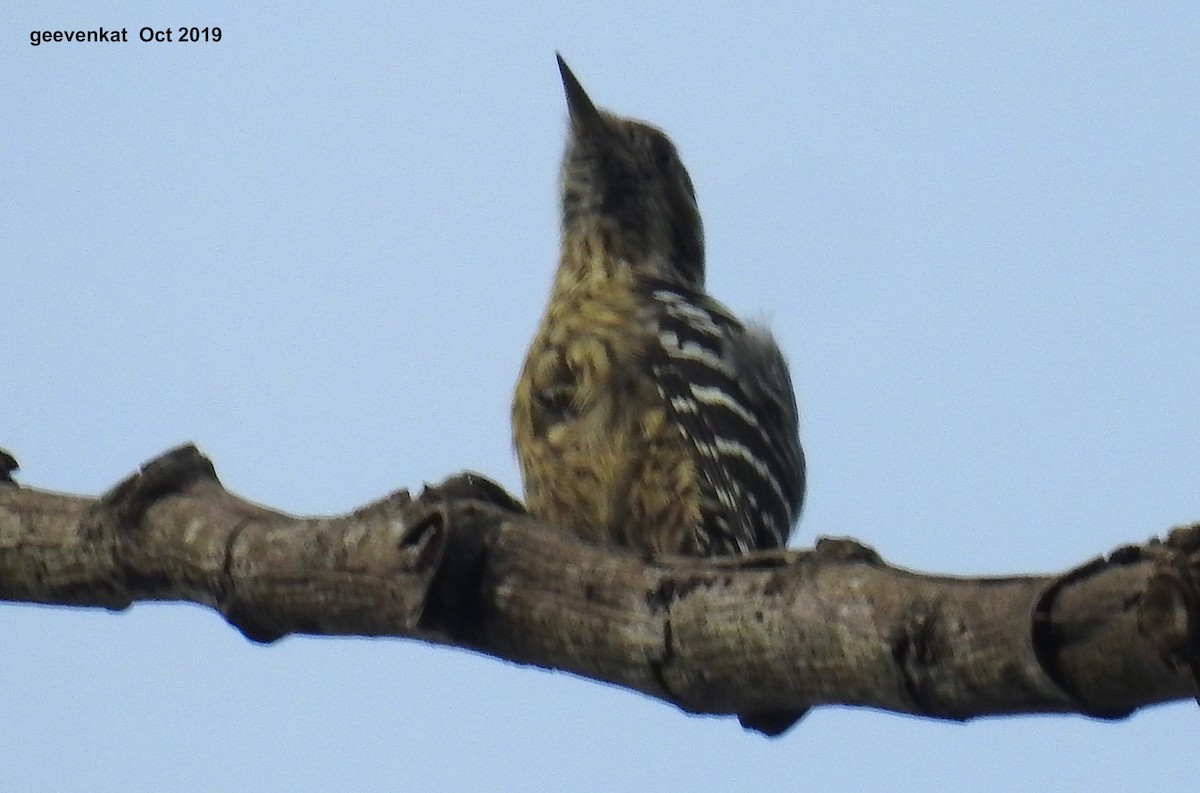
(765, 636)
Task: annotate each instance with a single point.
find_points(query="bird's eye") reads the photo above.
(664, 155)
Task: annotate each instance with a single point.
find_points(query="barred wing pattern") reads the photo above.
(727, 387)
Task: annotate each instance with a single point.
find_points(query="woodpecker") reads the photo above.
(646, 415)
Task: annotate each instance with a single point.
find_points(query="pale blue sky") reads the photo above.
(319, 247)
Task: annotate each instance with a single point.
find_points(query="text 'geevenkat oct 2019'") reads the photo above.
(184, 34)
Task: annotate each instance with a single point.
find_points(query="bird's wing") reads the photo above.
(728, 390)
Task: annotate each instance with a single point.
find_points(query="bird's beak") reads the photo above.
(585, 118)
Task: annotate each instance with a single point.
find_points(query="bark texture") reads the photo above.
(766, 636)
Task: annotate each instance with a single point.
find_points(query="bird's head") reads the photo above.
(623, 180)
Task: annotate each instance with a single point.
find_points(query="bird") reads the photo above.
(646, 414)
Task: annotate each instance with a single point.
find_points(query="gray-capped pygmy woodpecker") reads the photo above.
(646, 415)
